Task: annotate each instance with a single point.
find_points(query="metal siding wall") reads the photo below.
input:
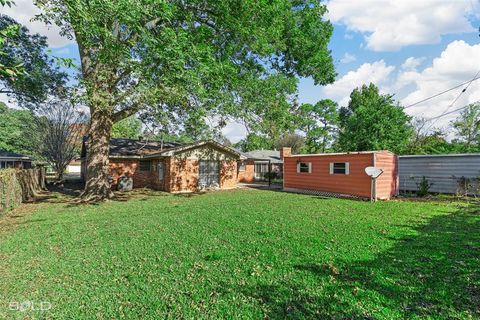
(442, 171)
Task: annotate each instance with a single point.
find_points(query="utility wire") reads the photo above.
(453, 102)
(443, 92)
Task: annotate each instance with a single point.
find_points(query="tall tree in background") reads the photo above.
(17, 131)
(319, 122)
(37, 75)
(189, 55)
(254, 141)
(130, 127)
(60, 128)
(373, 121)
(293, 140)
(467, 126)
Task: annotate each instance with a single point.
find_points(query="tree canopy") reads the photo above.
(17, 131)
(319, 121)
(201, 55)
(373, 121)
(130, 127)
(36, 74)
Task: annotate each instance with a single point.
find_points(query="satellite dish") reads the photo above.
(373, 172)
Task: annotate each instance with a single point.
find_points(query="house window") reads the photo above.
(145, 165)
(305, 167)
(242, 166)
(339, 168)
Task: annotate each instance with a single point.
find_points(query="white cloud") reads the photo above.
(412, 63)
(347, 58)
(23, 11)
(390, 25)
(458, 63)
(234, 131)
(377, 72)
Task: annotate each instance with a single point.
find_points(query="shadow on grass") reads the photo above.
(434, 273)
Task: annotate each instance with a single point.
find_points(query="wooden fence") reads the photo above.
(17, 186)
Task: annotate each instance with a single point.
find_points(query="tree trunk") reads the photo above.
(97, 186)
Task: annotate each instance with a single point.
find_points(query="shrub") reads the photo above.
(17, 186)
(423, 187)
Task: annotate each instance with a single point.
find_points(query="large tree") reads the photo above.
(319, 121)
(373, 121)
(185, 55)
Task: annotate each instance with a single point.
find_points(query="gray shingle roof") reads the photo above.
(7, 154)
(132, 147)
(267, 155)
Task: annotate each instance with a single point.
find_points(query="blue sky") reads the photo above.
(410, 48)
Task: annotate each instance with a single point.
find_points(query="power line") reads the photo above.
(446, 114)
(443, 92)
(453, 102)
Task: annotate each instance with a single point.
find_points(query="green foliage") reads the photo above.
(184, 56)
(372, 121)
(467, 126)
(254, 141)
(248, 254)
(17, 131)
(319, 122)
(423, 187)
(294, 141)
(130, 127)
(33, 74)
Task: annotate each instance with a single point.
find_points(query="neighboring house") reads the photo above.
(14, 160)
(74, 167)
(257, 165)
(171, 167)
(341, 173)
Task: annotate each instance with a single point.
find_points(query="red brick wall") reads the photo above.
(183, 174)
(228, 174)
(130, 168)
(247, 176)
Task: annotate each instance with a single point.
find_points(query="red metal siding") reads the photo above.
(387, 183)
(356, 183)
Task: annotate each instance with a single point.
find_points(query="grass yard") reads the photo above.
(247, 254)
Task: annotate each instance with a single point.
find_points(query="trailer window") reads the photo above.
(305, 167)
(339, 168)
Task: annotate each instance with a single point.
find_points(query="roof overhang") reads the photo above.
(180, 149)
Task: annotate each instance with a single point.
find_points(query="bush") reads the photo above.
(10, 190)
(17, 186)
(423, 187)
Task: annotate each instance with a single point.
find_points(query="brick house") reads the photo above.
(258, 163)
(171, 167)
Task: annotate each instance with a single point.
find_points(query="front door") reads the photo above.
(209, 174)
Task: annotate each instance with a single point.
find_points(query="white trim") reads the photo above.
(338, 153)
(331, 168)
(347, 167)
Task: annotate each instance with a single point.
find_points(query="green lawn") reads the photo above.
(243, 254)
